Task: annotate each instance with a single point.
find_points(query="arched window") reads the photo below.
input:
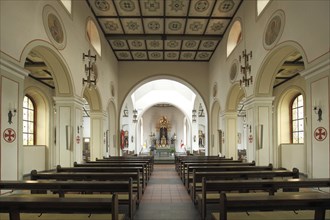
(261, 4)
(297, 120)
(234, 36)
(93, 36)
(29, 121)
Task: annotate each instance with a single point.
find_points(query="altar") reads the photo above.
(164, 151)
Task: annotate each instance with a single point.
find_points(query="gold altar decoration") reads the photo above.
(163, 123)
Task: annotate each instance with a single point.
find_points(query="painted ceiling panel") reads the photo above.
(103, 7)
(155, 55)
(177, 8)
(226, 8)
(139, 55)
(119, 44)
(172, 44)
(196, 26)
(172, 55)
(132, 26)
(154, 44)
(190, 44)
(153, 25)
(187, 55)
(217, 26)
(201, 8)
(152, 7)
(175, 25)
(127, 7)
(208, 45)
(123, 55)
(111, 26)
(178, 30)
(137, 44)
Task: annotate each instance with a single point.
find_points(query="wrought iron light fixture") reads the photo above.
(245, 69)
(135, 114)
(90, 70)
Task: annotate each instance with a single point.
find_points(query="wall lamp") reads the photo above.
(318, 111)
(11, 114)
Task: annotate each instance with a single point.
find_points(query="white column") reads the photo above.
(68, 120)
(259, 113)
(97, 143)
(229, 142)
(11, 98)
(317, 132)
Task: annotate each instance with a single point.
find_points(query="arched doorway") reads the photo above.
(49, 84)
(278, 80)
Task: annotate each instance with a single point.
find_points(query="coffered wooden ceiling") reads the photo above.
(164, 30)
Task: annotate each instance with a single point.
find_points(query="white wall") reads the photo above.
(34, 158)
(293, 156)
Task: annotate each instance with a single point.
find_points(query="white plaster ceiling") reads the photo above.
(164, 92)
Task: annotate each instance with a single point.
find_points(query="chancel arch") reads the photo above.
(161, 99)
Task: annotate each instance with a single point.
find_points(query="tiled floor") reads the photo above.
(165, 197)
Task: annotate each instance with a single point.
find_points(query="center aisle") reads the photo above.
(165, 197)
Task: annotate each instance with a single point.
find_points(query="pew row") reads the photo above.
(145, 169)
(131, 199)
(196, 185)
(17, 205)
(138, 170)
(318, 202)
(268, 185)
(188, 178)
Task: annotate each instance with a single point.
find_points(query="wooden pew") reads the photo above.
(150, 159)
(109, 164)
(185, 165)
(237, 167)
(178, 160)
(14, 204)
(140, 185)
(182, 166)
(186, 175)
(17, 205)
(95, 177)
(302, 201)
(121, 161)
(237, 175)
(268, 185)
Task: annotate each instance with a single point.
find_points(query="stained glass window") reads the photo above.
(28, 121)
(297, 120)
